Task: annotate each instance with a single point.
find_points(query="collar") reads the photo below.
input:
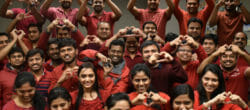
(61, 10)
(236, 69)
(118, 68)
(78, 63)
(138, 54)
(94, 15)
(156, 11)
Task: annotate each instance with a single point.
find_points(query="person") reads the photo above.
(91, 95)
(240, 39)
(210, 93)
(234, 75)
(194, 28)
(27, 16)
(59, 99)
(230, 21)
(145, 97)
(27, 98)
(120, 71)
(182, 97)
(150, 29)
(186, 47)
(62, 75)
(210, 43)
(53, 54)
(15, 65)
(118, 101)
(152, 13)
(164, 68)
(192, 7)
(35, 59)
(91, 21)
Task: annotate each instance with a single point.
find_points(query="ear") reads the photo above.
(76, 52)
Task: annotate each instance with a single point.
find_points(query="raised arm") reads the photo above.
(46, 4)
(209, 8)
(4, 12)
(117, 12)
(4, 52)
(210, 58)
(170, 8)
(82, 11)
(236, 49)
(244, 11)
(12, 24)
(132, 9)
(21, 42)
(40, 19)
(177, 9)
(213, 19)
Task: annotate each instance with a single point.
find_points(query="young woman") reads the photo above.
(211, 93)
(90, 96)
(27, 98)
(182, 97)
(118, 101)
(144, 97)
(59, 99)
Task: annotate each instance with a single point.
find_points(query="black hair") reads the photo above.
(66, 42)
(32, 52)
(102, 22)
(52, 41)
(58, 92)
(197, 0)
(35, 25)
(194, 19)
(16, 50)
(148, 43)
(64, 28)
(215, 69)
(80, 90)
(38, 101)
(4, 34)
(170, 36)
(117, 42)
(149, 22)
(241, 32)
(213, 37)
(183, 89)
(114, 98)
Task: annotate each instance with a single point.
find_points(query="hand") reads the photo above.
(121, 32)
(192, 42)
(237, 2)
(235, 48)
(177, 41)
(156, 99)
(107, 67)
(102, 57)
(139, 99)
(20, 17)
(67, 74)
(14, 35)
(220, 98)
(221, 50)
(235, 99)
(220, 3)
(97, 40)
(68, 24)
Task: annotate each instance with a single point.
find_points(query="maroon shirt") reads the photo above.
(131, 62)
(166, 74)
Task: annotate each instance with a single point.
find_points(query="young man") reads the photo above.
(64, 75)
(120, 72)
(234, 75)
(91, 21)
(184, 53)
(152, 13)
(30, 15)
(192, 6)
(35, 59)
(194, 28)
(8, 75)
(165, 70)
(210, 43)
(230, 21)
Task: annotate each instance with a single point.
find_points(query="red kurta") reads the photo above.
(11, 105)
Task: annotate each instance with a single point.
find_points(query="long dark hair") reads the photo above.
(58, 92)
(182, 90)
(215, 69)
(114, 98)
(80, 90)
(38, 101)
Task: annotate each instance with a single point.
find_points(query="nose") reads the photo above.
(182, 107)
(141, 82)
(59, 108)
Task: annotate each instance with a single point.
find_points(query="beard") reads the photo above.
(69, 62)
(230, 8)
(98, 9)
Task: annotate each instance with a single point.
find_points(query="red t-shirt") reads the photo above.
(131, 62)
(93, 20)
(198, 106)
(159, 17)
(228, 27)
(143, 107)
(11, 105)
(183, 16)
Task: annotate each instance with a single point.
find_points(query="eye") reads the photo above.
(187, 102)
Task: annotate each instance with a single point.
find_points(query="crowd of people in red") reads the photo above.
(144, 68)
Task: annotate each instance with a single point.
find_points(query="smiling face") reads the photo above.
(184, 53)
(192, 6)
(116, 54)
(194, 30)
(209, 46)
(98, 5)
(182, 102)
(230, 5)
(141, 82)
(33, 34)
(228, 60)
(26, 92)
(16, 59)
(68, 54)
(60, 104)
(65, 4)
(132, 44)
(210, 82)
(149, 51)
(103, 31)
(35, 62)
(87, 78)
(53, 51)
(153, 4)
(240, 39)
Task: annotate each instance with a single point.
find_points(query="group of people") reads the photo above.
(61, 68)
